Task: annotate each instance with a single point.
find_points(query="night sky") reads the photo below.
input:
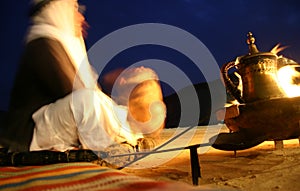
(221, 25)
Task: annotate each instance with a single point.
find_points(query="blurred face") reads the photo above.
(80, 24)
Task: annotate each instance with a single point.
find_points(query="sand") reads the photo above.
(260, 168)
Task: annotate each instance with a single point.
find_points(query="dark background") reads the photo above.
(221, 25)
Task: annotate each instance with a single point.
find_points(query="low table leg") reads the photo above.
(278, 144)
(195, 166)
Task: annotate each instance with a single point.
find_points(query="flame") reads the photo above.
(289, 80)
(288, 76)
(278, 49)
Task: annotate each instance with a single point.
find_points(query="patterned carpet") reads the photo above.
(78, 176)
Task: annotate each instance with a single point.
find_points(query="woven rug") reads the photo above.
(78, 176)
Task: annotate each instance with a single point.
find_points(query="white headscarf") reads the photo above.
(57, 21)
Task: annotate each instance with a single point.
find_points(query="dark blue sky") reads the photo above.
(221, 25)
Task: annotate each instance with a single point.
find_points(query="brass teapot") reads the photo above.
(267, 110)
(258, 74)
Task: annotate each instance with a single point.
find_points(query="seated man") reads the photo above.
(56, 103)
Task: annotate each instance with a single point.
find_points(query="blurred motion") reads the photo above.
(56, 101)
(139, 89)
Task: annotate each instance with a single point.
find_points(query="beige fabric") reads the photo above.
(85, 115)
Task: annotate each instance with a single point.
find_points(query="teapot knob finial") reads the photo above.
(250, 41)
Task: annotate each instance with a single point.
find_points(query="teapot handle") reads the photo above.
(231, 88)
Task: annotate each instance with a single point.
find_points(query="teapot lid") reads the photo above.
(250, 41)
(253, 51)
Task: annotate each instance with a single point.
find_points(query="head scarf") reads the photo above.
(56, 20)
